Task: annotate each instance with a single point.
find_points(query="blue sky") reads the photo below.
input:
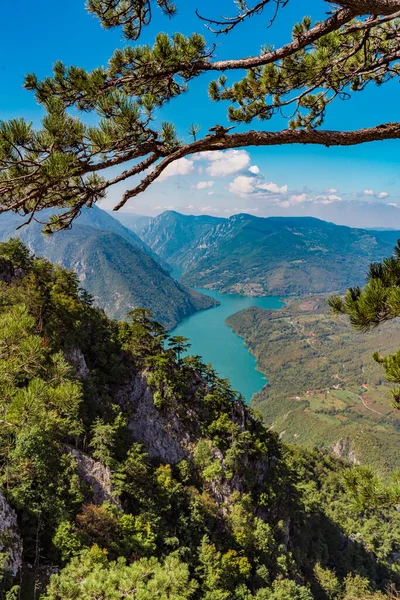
(356, 186)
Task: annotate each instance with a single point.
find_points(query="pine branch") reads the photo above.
(369, 7)
(333, 23)
(267, 138)
(226, 24)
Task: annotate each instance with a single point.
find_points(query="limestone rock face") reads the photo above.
(76, 359)
(10, 540)
(97, 476)
(343, 449)
(171, 437)
(161, 434)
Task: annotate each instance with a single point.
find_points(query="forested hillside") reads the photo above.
(127, 471)
(267, 256)
(176, 237)
(113, 264)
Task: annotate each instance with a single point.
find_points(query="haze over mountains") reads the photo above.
(113, 264)
(242, 254)
(132, 221)
(250, 255)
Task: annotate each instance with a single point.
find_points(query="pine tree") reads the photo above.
(377, 303)
(61, 164)
(91, 576)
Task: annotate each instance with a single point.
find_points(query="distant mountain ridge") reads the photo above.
(172, 234)
(101, 219)
(113, 264)
(132, 221)
(252, 255)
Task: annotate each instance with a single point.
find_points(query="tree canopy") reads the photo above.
(64, 163)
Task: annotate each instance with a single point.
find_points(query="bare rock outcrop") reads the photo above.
(77, 360)
(161, 433)
(170, 435)
(97, 476)
(343, 449)
(10, 540)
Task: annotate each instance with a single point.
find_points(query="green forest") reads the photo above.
(134, 473)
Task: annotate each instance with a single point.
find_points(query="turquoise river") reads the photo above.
(217, 344)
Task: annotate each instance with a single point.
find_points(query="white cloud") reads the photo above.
(242, 185)
(298, 198)
(285, 204)
(202, 185)
(392, 204)
(331, 191)
(210, 193)
(254, 169)
(380, 195)
(273, 188)
(164, 207)
(224, 163)
(328, 199)
(293, 200)
(182, 166)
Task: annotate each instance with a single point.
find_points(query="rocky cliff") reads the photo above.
(10, 541)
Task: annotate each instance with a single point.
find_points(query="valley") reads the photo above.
(323, 387)
(127, 464)
(113, 264)
(218, 345)
(200, 300)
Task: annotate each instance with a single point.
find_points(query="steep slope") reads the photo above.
(113, 264)
(132, 221)
(175, 237)
(128, 471)
(281, 256)
(100, 219)
(324, 387)
(94, 217)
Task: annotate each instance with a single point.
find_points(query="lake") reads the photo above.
(217, 344)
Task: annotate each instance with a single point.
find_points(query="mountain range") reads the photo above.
(113, 264)
(250, 255)
(132, 221)
(242, 254)
(177, 238)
